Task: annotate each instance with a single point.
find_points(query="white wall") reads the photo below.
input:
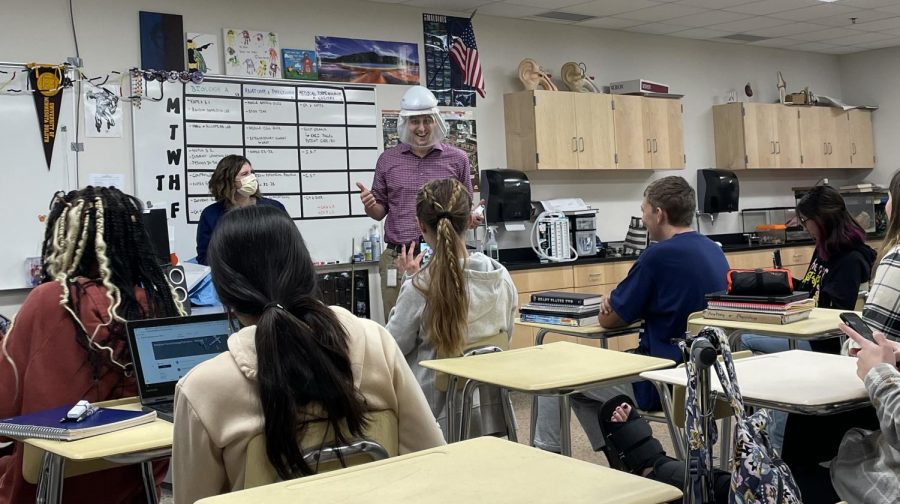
(703, 71)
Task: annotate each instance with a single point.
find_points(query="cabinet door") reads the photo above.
(815, 125)
(862, 145)
(667, 128)
(787, 137)
(594, 126)
(838, 139)
(555, 137)
(759, 135)
(632, 138)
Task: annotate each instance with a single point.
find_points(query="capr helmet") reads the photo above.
(418, 101)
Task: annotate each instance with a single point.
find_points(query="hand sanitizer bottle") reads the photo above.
(493, 250)
(375, 238)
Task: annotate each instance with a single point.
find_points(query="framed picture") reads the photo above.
(300, 64)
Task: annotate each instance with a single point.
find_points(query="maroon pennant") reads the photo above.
(46, 86)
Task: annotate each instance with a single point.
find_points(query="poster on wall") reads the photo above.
(300, 64)
(251, 53)
(162, 43)
(367, 61)
(446, 76)
(461, 133)
(203, 53)
(102, 113)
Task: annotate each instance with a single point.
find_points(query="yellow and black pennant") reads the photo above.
(47, 86)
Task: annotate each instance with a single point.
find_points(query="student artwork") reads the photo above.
(203, 53)
(252, 53)
(367, 61)
(461, 133)
(452, 66)
(300, 64)
(102, 114)
(162, 45)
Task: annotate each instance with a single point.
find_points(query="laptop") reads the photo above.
(164, 350)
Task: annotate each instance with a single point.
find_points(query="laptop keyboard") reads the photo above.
(164, 407)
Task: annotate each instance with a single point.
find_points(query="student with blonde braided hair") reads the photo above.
(456, 299)
(68, 340)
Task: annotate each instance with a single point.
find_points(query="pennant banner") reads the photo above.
(47, 86)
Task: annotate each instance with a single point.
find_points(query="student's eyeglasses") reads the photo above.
(803, 221)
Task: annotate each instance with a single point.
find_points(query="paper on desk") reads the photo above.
(194, 273)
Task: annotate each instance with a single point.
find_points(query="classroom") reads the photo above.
(590, 185)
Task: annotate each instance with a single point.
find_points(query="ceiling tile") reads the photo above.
(892, 9)
(547, 4)
(812, 47)
(655, 28)
(700, 33)
(843, 50)
(885, 23)
(662, 12)
(892, 42)
(748, 24)
(779, 43)
(825, 34)
(610, 7)
(771, 6)
(785, 30)
(822, 10)
(847, 20)
(610, 23)
(509, 10)
(456, 5)
(862, 38)
(707, 18)
(712, 4)
(869, 4)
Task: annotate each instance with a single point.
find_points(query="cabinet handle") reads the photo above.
(649, 146)
(825, 146)
(654, 145)
(853, 148)
(593, 275)
(580, 144)
(574, 144)
(773, 146)
(777, 147)
(830, 149)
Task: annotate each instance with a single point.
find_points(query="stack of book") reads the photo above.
(780, 310)
(562, 308)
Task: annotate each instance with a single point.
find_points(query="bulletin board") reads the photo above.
(309, 144)
(28, 185)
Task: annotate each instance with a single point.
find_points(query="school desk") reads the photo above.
(559, 369)
(141, 444)
(484, 469)
(595, 331)
(821, 324)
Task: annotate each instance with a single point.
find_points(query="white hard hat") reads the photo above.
(418, 100)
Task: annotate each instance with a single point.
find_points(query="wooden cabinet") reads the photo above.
(558, 130)
(862, 146)
(649, 133)
(761, 135)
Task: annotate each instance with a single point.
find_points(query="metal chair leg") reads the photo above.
(509, 416)
(149, 482)
(452, 428)
(726, 439)
(565, 423)
(468, 392)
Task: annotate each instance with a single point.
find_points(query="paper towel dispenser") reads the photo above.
(717, 191)
(506, 195)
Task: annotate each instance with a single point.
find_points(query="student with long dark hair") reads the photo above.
(457, 299)
(68, 341)
(295, 361)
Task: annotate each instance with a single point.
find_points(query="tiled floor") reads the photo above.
(581, 448)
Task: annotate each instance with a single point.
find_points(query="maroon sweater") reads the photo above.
(53, 371)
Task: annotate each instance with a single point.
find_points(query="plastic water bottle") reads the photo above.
(375, 238)
(493, 250)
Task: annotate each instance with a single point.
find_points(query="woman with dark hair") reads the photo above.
(233, 185)
(841, 262)
(457, 299)
(295, 361)
(68, 341)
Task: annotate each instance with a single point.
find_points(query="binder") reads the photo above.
(47, 425)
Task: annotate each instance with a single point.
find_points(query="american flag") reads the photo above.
(465, 53)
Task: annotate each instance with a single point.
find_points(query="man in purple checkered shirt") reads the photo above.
(399, 174)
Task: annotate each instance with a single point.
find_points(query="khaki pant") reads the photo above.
(388, 294)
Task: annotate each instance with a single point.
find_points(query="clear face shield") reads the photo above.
(421, 128)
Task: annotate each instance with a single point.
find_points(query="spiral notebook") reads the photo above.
(46, 424)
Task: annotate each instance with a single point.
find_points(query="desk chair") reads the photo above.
(494, 343)
(382, 440)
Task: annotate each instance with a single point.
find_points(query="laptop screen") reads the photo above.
(164, 350)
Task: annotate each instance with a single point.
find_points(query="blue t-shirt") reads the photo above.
(667, 283)
(210, 217)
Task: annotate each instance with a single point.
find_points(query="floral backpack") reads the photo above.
(758, 475)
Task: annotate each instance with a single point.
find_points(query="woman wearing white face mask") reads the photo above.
(234, 185)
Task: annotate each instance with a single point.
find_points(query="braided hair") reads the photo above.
(443, 207)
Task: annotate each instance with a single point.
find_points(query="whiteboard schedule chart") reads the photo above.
(309, 145)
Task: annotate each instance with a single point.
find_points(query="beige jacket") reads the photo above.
(217, 409)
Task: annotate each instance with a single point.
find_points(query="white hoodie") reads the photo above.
(492, 308)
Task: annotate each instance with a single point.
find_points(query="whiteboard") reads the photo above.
(30, 185)
(309, 144)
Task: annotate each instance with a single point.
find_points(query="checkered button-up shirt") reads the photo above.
(399, 174)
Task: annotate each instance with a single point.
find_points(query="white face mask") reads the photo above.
(249, 185)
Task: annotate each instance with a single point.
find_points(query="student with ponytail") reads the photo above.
(68, 341)
(455, 300)
(296, 360)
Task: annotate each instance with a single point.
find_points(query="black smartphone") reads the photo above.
(856, 323)
(776, 259)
